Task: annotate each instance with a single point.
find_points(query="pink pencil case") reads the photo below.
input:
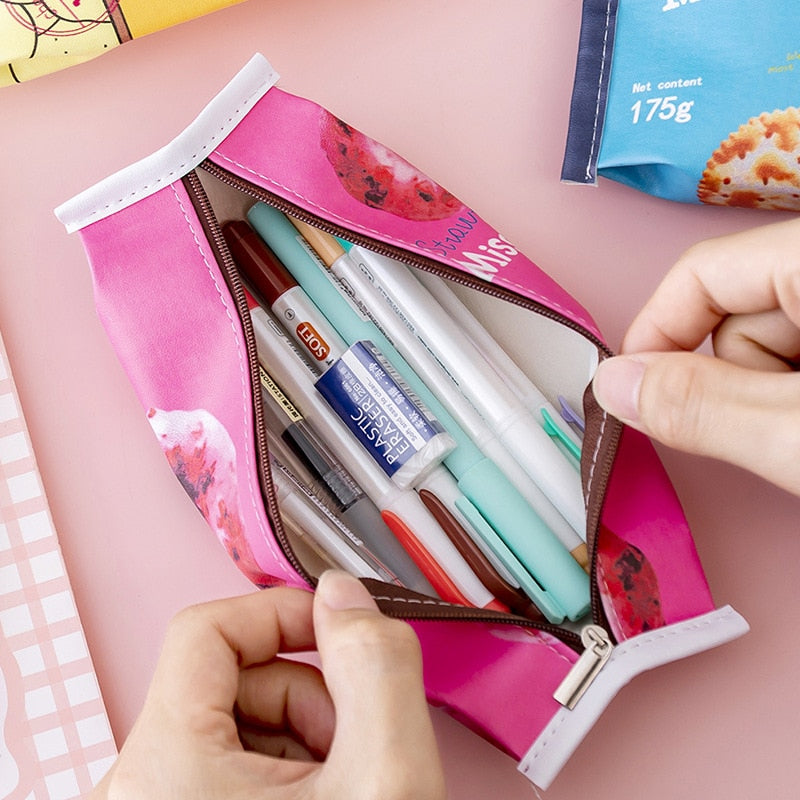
(174, 307)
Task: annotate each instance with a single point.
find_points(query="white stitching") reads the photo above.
(539, 636)
(245, 384)
(549, 733)
(595, 453)
(179, 169)
(642, 639)
(603, 60)
(416, 601)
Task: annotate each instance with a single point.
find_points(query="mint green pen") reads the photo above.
(564, 584)
(556, 432)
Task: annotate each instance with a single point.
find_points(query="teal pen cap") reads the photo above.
(554, 431)
(346, 246)
(562, 583)
(552, 563)
(541, 599)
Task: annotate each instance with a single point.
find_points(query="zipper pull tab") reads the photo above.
(598, 647)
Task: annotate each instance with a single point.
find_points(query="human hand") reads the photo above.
(219, 683)
(744, 405)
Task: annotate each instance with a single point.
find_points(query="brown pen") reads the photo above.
(515, 599)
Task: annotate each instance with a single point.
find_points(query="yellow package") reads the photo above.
(41, 37)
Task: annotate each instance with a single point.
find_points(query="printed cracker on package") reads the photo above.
(690, 100)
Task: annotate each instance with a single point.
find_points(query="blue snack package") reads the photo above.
(690, 100)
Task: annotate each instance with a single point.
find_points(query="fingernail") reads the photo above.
(616, 386)
(341, 592)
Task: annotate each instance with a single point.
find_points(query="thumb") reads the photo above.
(710, 407)
(383, 745)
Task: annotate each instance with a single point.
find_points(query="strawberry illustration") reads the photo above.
(629, 581)
(379, 178)
(203, 457)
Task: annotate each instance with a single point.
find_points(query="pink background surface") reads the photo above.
(477, 95)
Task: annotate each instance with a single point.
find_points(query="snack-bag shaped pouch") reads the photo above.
(690, 101)
(174, 307)
(39, 38)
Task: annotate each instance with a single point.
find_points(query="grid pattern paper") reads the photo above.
(55, 739)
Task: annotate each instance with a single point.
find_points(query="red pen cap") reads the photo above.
(251, 301)
(257, 263)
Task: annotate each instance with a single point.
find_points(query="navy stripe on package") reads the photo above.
(590, 91)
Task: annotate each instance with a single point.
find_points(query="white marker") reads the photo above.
(407, 299)
(528, 392)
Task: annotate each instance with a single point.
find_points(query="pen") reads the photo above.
(515, 599)
(355, 509)
(461, 361)
(310, 554)
(564, 586)
(573, 419)
(443, 485)
(330, 534)
(399, 532)
(558, 433)
(373, 304)
(401, 509)
(361, 386)
(300, 318)
(456, 515)
(283, 418)
(505, 366)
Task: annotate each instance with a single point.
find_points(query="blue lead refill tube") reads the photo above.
(400, 434)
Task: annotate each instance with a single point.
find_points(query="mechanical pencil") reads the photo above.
(355, 509)
(306, 510)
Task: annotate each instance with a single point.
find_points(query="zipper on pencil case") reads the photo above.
(433, 611)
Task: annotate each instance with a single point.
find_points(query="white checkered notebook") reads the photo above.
(55, 739)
